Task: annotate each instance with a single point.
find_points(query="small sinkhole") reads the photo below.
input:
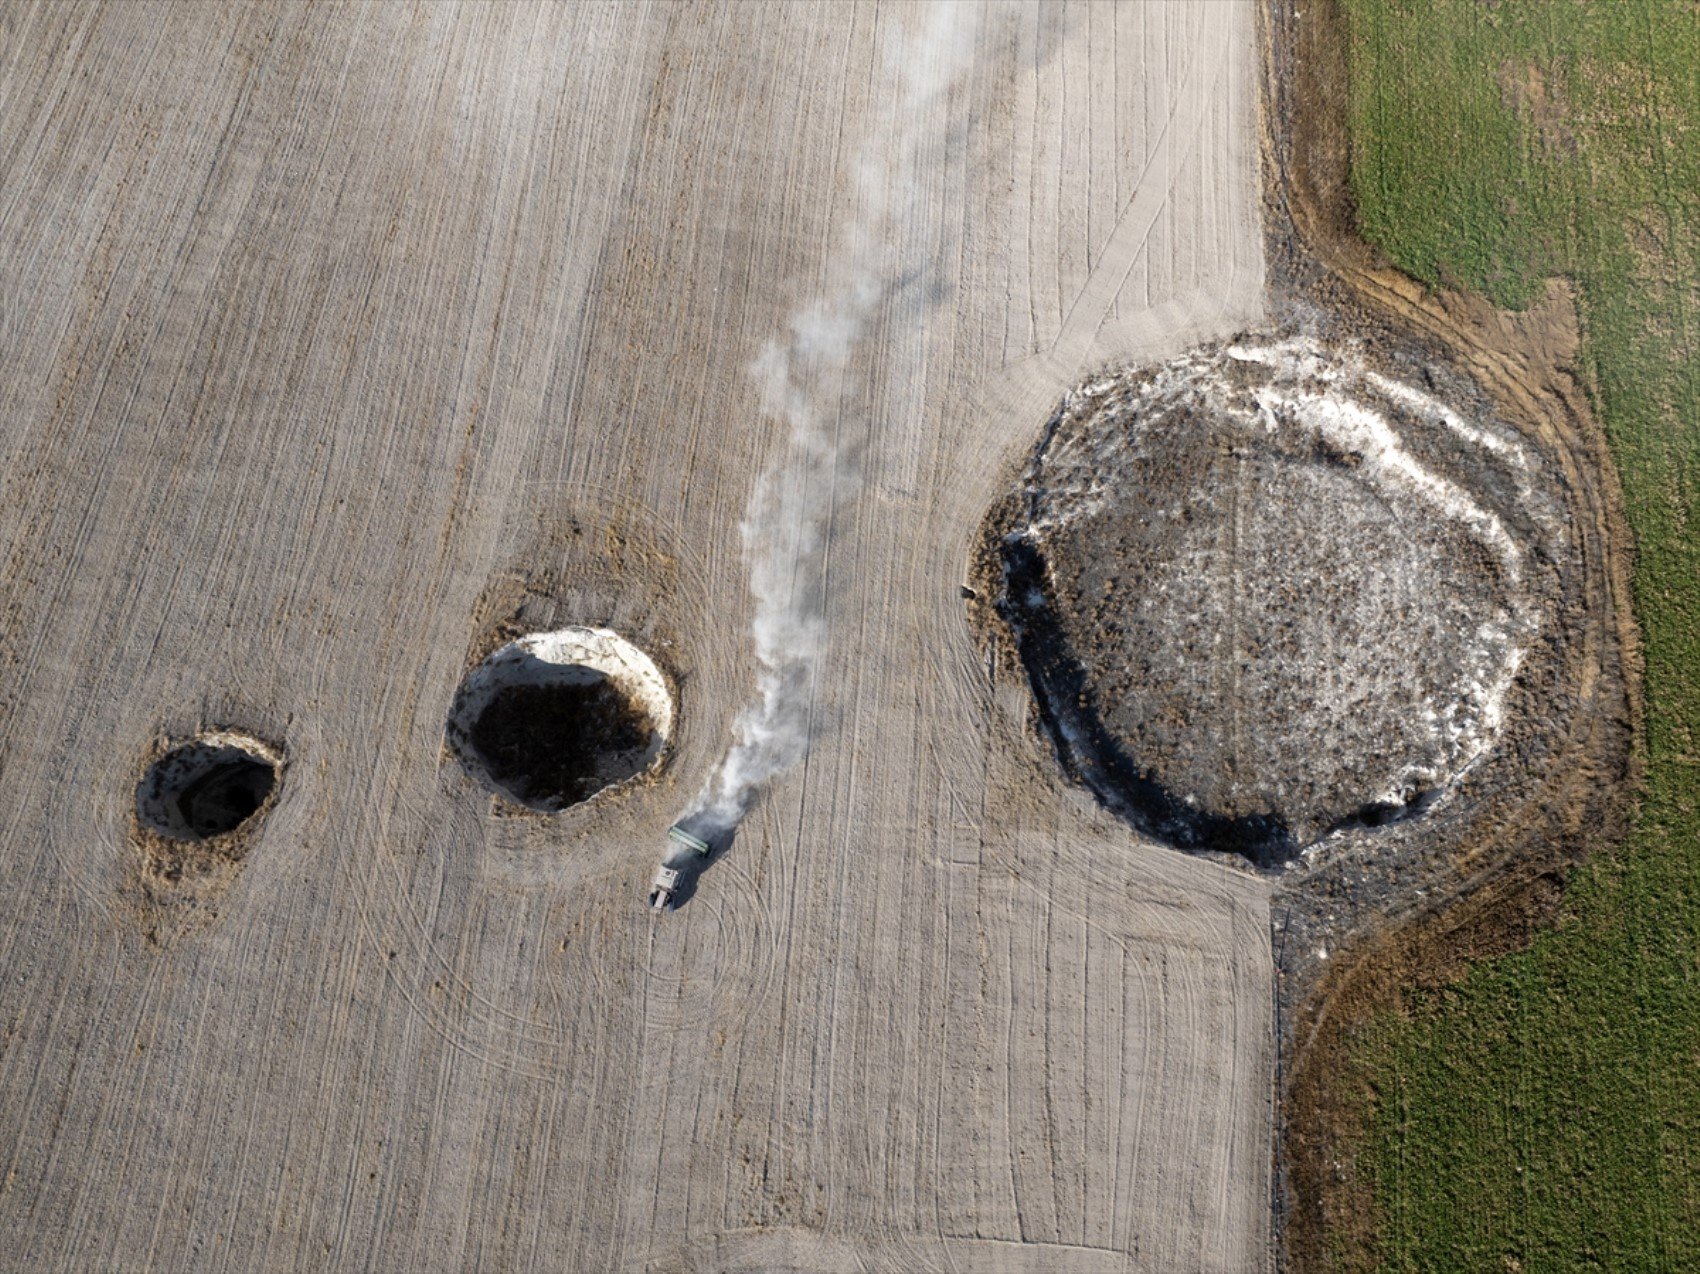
(552, 719)
(207, 787)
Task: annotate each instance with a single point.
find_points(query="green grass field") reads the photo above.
(1544, 1113)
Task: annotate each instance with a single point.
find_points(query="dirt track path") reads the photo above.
(338, 337)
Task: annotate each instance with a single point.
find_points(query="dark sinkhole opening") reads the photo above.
(1093, 756)
(206, 788)
(552, 719)
(562, 742)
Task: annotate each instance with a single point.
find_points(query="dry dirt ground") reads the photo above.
(340, 344)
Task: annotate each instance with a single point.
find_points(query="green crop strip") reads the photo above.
(1544, 1113)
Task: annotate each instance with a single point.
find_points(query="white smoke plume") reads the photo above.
(801, 373)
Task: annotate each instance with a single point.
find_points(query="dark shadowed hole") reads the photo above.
(206, 788)
(561, 742)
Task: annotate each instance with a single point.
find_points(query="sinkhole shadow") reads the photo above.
(206, 787)
(549, 735)
(1091, 755)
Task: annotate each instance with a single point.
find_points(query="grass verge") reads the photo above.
(1544, 1111)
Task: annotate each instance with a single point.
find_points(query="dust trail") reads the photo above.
(801, 373)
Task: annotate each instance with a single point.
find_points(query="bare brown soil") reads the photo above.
(347, 344)
(1509, 872)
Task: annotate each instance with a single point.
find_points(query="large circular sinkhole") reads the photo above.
(1266, 591)
(207, 787)
(554, 718)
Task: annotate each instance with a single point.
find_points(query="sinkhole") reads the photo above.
(552, 719)
(1266, 592)
(207, 787)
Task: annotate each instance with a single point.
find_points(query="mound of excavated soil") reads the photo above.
(1264, 592)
